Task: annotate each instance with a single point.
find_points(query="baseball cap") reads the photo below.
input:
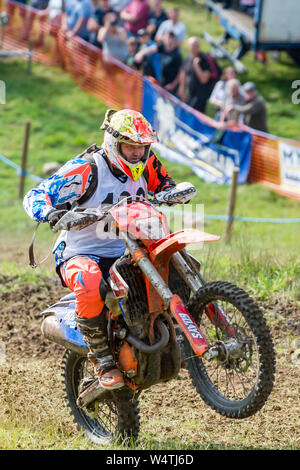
(249, 86)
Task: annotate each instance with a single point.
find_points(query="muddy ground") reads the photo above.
(170, 413)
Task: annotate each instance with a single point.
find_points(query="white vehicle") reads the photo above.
(265, 25)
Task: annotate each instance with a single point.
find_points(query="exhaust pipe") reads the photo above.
(145, 348)
(52, 331)
(95, 391)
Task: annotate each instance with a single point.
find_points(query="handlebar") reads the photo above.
(77, 219)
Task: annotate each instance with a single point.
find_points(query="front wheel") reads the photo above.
(238, 381)
(116, 416)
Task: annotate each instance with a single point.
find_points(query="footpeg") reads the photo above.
(92, 392)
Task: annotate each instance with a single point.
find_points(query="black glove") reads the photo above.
(54, 216)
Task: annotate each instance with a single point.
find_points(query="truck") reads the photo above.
(261, 26)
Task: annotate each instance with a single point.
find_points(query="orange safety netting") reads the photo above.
(265, 167)
(114, 83)
(108, 79)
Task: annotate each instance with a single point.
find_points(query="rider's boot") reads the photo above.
(109, 376)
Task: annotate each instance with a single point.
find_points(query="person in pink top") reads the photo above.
(136, 16)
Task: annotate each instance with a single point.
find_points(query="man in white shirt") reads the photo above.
(218, 95)
(172, 24)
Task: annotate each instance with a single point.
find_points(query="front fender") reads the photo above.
(166, 247)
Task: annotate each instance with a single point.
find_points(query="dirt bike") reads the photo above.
(162, 316)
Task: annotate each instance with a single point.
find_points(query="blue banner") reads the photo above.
(185, 139)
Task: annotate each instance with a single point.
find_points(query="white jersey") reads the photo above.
(94, 239)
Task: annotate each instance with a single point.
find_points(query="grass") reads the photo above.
(263, 256)
(65, 120)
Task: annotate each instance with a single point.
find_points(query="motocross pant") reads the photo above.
(86, 278)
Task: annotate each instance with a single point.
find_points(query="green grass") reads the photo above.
(65, 120)
(264, 258)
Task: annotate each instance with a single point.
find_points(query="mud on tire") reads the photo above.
(231, 389)
(118, 413)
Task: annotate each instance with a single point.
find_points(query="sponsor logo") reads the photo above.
(192, 328)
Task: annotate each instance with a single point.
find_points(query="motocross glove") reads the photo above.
(180, 194)
(54, 216)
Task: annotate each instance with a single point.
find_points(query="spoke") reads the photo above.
(240, 377)
(228, 377)
(107, 416)
(107, 413)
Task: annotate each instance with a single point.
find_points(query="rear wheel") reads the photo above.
(116, 416)
(239, 380)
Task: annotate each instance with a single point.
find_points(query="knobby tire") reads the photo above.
(121, 405)
(253, 317)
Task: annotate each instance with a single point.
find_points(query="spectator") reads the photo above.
(75, 18)
(254, 110)
(151, 64)
(132, 49)
(217, 97)
(171, 61)
(233, 96)
(196, 76)
(54, 12)
(156, 18)
(113, 38)
(30, 15)
(97, 20)
(51, 9)
(135, 16)
(172, 24)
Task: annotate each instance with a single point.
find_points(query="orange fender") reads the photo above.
(178, 240)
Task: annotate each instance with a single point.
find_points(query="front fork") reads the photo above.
(178, 310)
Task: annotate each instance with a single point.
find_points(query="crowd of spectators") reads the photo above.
(238, 103)
(142, 34)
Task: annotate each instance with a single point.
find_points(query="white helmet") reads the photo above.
(130, 127)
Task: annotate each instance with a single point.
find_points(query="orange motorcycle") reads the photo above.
(162, 316)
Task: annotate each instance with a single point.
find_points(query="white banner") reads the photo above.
(290, 165)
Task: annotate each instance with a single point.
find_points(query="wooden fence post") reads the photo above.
(231, 204)
(24, 159)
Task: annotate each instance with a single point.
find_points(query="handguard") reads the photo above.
(77, 220)
(180, 194)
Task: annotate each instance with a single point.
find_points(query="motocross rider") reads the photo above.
(125, 166)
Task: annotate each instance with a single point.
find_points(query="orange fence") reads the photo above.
(108, 79)
(274, 162)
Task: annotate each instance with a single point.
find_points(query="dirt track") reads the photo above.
(170, 413)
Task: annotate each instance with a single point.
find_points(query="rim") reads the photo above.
(102, 419)
(233, 375)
